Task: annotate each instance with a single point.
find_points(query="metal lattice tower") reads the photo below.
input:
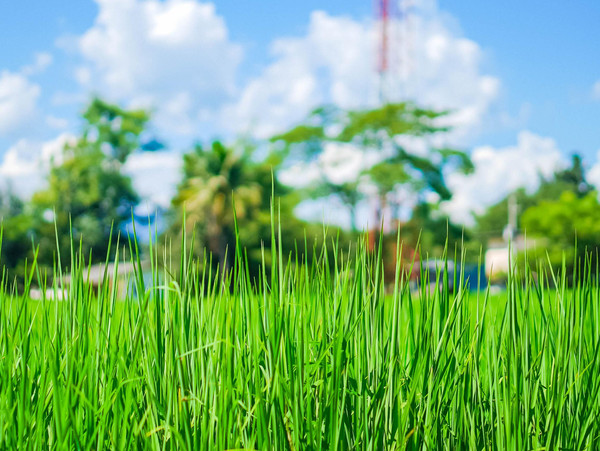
(383, 22)
(394, 47)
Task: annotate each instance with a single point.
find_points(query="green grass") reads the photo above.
(303, 358)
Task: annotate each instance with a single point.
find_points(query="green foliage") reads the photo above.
(215, 177)
(311, 357)
(87, 192)
(375, 131)
(491, 223)
(435, 232)
(114, 127)
(16, 241)
(374, 127)
(568, 227)
(572, 179)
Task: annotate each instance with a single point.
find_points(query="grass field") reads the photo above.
(303, 358)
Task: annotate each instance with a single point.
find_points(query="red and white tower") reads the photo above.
(395, 31)
(383, 66)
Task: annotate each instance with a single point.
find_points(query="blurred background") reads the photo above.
(465, 125)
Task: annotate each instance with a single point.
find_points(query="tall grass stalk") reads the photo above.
(309, 356)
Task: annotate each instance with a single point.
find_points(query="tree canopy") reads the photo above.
(87, 193)
(385, 163)
(571, 179)
(216, 176)
(567, 227)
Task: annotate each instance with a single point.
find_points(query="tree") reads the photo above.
(567, 227)
(215, 177)
(571, 179)
(434, 232)
(87, 192)
(385, 163)
(114, 130)
(492, 222)
(16, 236)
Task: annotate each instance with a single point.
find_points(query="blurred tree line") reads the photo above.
(561, 219)
(88, 198)
(390, 176)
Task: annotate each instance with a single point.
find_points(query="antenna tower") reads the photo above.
(394, 47)
(383, 21)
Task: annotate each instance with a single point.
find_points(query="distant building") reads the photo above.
(500, 255)
(95, 276)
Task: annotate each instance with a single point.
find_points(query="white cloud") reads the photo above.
(26, 164)
(155, 175)
(445, 72)
(19, 95)
(18, 102)
(300, 174)
(174, 56)
(499, 171)
(342, 162)
(331, 63)
(593, 174)
(335, 62)
(339, 163)
(41, 61)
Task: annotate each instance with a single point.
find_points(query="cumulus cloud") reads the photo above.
(331, 63)
(155, 175)
(445, 71)
(41, 61)
(339, 163)
(18, 101)
(335, 63)
(19, 96)
(26, 164)
(174, 56)
(500, 171)
(593, 174)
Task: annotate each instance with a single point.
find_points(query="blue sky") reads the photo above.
(520, 76)
(547, 55)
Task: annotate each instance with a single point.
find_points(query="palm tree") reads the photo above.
(212, 179)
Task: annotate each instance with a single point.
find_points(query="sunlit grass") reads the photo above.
(305, 357)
